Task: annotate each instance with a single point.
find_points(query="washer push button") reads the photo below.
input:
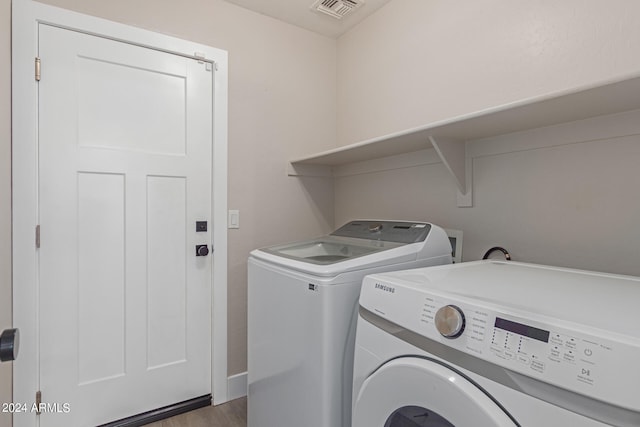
(556, 339)
(537, 366)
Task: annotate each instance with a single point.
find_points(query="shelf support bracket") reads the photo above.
(452, 152)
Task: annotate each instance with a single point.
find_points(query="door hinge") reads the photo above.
(38, 236)
(37, 69)
(38, 401)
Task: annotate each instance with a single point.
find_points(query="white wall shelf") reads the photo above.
(449, 137)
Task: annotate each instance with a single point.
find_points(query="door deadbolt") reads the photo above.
(202, 250)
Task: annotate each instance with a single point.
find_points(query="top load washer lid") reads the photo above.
(359, 245)
(353, 240)
(326, 250)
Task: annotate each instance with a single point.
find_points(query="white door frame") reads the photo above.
(26, 16)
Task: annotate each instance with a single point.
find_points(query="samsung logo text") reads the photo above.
(386, 288)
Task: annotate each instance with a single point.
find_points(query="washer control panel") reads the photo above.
(386, 231)
(576, 358)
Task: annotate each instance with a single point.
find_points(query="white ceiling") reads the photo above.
(300, 13)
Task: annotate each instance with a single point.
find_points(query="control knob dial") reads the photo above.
(450, 321)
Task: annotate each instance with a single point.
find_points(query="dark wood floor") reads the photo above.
(230, 414)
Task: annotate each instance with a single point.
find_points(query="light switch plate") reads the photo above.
(233, 220)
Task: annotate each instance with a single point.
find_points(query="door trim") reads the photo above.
(26, 16)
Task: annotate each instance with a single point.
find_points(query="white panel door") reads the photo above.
(125, 172)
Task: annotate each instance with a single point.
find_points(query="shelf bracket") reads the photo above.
(452, 152)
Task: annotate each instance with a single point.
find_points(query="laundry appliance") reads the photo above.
(302, 300)
(497, 344)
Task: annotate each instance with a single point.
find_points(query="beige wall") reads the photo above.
(560, 196)
(563, 195)
(281, 85)
(5, 197)
(417, 61)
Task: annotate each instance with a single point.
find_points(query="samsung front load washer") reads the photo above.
(497, 344)
(302, 312)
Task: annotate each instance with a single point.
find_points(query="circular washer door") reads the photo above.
(417, 392)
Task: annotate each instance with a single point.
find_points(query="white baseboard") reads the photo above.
(237, 386)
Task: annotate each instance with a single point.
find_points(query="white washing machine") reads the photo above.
(302, 314)
(487, 343)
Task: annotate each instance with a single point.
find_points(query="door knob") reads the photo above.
(9, 344)
(202, 250)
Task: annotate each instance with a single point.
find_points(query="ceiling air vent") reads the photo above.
(337, 8)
